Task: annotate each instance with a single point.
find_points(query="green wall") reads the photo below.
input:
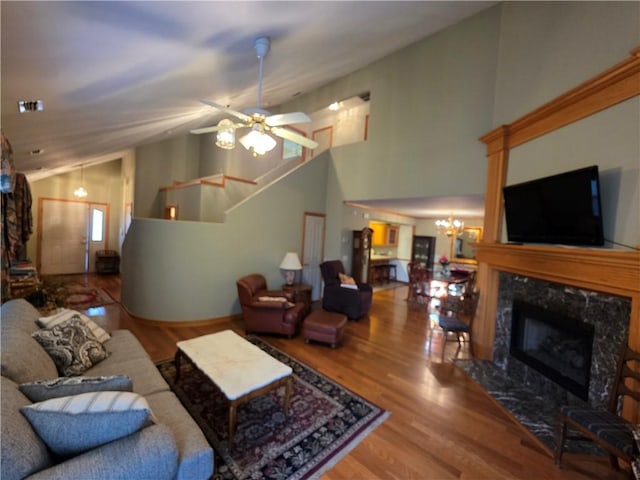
(187, 270)
(162, 163)
(546, 50)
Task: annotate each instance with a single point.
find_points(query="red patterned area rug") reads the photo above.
(324, 423)
(79, 297)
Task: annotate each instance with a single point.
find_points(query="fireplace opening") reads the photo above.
(555, 345)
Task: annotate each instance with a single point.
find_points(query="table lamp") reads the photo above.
(290, 263)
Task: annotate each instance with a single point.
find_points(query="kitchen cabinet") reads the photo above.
(384, 234)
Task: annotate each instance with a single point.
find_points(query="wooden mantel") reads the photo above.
(612, 271)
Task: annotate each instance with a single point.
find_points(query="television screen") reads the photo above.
(562, 209)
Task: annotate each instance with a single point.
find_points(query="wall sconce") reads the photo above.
(171, 212)
(290, 263)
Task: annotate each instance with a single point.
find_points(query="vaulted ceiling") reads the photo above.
(113, 75)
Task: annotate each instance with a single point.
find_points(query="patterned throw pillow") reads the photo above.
(66, 314)
(74, 424)
(346, 279)
(64, 386)
(72, 346)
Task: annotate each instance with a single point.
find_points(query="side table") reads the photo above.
(301, 293)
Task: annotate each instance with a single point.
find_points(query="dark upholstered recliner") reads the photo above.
(269, 315)
(354, 303)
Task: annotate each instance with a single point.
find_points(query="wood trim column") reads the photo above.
(498, 161)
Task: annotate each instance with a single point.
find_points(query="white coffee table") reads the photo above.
(237, 367)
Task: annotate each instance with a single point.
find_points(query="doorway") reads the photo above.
(70, 232)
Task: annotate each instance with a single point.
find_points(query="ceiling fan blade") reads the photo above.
(294, 137)
(198, 131)
(287, 119)
(240, 115)
(214, 128)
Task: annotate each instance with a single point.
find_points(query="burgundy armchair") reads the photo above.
(353, 302)
(264, 310)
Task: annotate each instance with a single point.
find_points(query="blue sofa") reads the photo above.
(173, 447)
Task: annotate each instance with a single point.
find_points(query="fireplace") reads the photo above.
(557, 346)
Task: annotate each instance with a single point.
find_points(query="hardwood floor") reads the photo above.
(442, 424)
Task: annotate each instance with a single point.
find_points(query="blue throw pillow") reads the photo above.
(74, 424)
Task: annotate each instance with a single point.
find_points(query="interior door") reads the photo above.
(63, 236)
(312, 252)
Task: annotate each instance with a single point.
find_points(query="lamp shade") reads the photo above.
(291, 262)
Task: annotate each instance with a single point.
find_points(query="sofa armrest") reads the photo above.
(148, 453)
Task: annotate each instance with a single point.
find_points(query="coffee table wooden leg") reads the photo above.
(232, 421)
(288, 389)
(176, 361)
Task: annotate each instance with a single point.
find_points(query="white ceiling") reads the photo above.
(113, 75)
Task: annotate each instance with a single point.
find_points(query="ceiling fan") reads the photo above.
(261, 122)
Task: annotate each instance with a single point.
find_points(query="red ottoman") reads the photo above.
(323, 326)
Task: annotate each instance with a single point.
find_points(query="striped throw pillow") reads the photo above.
(77, 423)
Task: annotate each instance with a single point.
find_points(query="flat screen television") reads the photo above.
(560, 209)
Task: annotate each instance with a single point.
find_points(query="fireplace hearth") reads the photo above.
(555, 345)
(531, 396)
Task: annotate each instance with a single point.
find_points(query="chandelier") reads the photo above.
(80, 192)
(450, 227)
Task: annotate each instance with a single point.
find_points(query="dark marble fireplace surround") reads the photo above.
(529, 396)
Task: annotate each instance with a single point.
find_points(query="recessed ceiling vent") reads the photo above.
(30, 106)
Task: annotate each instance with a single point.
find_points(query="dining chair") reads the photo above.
(419, 283)
(460, 322)
(606, 427)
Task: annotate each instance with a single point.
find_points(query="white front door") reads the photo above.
(312, 252)
(63, 236)
(71, 232)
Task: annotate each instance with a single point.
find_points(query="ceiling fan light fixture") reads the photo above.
(257, 141)
(226, 136)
